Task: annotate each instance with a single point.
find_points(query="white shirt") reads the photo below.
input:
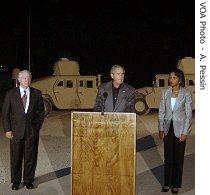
(173, 101)
(28, 96)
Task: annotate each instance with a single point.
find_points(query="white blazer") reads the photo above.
(181, 114)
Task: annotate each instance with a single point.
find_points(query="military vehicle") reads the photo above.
(149, 97)
(66, 88)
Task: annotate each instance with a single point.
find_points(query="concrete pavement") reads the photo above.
(53, 168)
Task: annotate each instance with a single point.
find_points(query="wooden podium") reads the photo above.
(103, 153)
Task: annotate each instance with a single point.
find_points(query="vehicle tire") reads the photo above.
(47, 106)
(141, 106)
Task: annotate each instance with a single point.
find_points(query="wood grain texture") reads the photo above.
(103, 153)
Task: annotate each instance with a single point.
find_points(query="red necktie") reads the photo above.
(24, 99)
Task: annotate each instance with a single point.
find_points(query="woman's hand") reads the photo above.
(183, 137)
(161, 135)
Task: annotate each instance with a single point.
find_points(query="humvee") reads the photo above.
(149, 97)
(66, 88)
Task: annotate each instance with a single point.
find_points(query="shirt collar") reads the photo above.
(22, 89)
(116, 87)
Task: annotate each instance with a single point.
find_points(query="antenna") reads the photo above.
(29, 41)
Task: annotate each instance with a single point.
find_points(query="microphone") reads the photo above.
(105, 95)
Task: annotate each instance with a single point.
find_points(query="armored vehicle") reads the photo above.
(149, 97)
(66, 88)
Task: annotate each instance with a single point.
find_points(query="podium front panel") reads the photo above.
(103, 153)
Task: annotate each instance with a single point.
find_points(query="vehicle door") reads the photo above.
(65, 93)
(87, 91)
(190, 86)
(162, 83)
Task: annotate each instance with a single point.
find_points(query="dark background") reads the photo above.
(147, 37)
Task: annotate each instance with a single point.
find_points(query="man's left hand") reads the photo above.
(9, 134)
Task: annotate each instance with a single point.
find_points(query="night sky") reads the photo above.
(147, 37)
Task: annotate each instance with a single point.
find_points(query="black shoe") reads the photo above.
(15, 186)
(29, 186)
(165, 189)
(174, 190)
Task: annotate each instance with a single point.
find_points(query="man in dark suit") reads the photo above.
(23, 115)
(115, 96)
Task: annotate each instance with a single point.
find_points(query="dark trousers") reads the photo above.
(27, 149)
(174, 159)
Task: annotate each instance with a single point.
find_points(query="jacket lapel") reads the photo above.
(31, 100)
(179, 97)
(120, 97)
(109, 100)
(18, 98)
(169, 95)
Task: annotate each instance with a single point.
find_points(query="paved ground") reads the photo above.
(53, 169)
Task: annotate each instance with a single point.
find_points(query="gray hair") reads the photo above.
(115, 67)
(24, 72)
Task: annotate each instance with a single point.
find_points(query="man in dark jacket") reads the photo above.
(115, 96)
(23, 115)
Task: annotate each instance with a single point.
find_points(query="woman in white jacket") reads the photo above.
(174, 121)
